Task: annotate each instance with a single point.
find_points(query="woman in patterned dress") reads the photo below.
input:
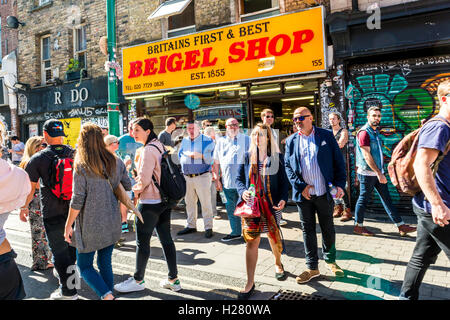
(263, 166)
(41, 253)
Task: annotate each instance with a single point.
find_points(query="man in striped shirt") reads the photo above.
(315, 166)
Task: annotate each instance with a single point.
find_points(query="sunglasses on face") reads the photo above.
(233, 125)
(300, 118)
(269, 117)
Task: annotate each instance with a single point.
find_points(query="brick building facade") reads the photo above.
(9, 37)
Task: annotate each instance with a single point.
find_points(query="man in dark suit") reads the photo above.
(315, 167)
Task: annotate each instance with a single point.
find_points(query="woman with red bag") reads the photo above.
(263, 166)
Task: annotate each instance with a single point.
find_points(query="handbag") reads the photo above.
(123, 197)
(243, 210)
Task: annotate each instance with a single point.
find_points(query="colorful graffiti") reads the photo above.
(406, 93)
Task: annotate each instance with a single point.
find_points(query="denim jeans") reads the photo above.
(235, 222)
(430, 240)
(103, 282)
(64, 255)
(155, 216)
(367, 184)
(307, 209)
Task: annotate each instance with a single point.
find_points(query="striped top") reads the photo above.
(310, 166)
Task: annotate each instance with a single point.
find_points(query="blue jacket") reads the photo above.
(279, 187)
(329, 157)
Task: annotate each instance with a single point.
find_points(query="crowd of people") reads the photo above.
(69, 196)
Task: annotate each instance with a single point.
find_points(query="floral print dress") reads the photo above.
(41, 253)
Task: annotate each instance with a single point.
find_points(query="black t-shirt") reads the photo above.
(39, 168)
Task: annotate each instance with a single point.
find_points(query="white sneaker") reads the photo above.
(130, 285)
(166, 284)
(283, 222)
(57, 295)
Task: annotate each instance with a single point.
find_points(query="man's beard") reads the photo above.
(374, 123)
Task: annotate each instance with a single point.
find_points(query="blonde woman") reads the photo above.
(40, 250)
(94, 209)
(263, 166)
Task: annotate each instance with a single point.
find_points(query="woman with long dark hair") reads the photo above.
(154, 212)
(263, 166)
(94, 209)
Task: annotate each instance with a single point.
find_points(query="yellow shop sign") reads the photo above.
(281, 45)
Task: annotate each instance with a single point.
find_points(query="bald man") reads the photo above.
(313, 163)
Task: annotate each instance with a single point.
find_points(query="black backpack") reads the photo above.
(173, 184)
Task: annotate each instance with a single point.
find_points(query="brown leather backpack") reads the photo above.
(400, 167)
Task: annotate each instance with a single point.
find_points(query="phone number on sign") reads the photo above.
(215, 73)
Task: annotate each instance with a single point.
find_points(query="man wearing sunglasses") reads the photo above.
(313, 160)
(369, 160)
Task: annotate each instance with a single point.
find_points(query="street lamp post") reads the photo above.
(113, 100)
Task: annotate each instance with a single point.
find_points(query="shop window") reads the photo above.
(180, 17)
(257, 9)
(182, 23)
(46, 64)
(80, 46)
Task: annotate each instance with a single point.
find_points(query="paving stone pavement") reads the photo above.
(374, 266)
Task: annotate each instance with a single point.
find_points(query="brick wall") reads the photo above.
(292, 5)
(11, 35)
(342, 5)
(132, 27)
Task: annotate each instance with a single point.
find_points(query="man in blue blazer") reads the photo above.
(313, 163)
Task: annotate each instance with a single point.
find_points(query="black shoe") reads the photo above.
(230, 237)
(280, 276)
(186, 231)
(246, 295)
(208, 233)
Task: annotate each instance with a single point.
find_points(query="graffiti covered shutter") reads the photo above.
(405, 90)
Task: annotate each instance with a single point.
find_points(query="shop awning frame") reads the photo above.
(169, 8)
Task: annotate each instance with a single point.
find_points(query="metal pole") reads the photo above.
(113, 105)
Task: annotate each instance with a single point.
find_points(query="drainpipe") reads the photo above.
(113, 100)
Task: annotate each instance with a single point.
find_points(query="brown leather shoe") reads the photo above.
(405, 229)
(307, 275)
(338, 210)
(347, 215)
(362, 231)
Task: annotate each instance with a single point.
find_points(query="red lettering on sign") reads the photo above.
(206, 58)
(135, 69)
(191, 60)
(301, 37)
(257, 45)
(234, 50)
(162, 64)
(178, 63)
(286, 44)
(149, 68)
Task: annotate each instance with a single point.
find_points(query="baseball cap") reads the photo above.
(54, 128)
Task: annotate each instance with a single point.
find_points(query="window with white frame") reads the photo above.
(46, 65)
(182, 23)
(257, 9)
(80, 46)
